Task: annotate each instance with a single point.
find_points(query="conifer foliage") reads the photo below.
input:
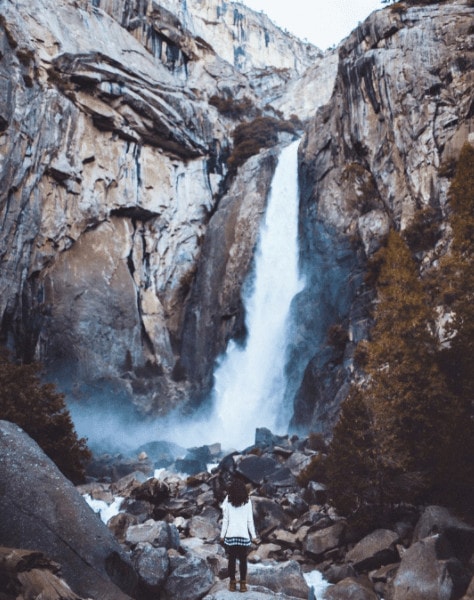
(455, 284)
(406, 434)
(404, 399)
(41, 412)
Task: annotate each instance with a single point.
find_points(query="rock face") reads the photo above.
(115, 125)
(41, 510)
(124, 240)
(371, 158)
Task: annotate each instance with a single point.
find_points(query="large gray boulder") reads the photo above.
(41, 510)
(438, 520)
(190, 579)
(350, 589)
(374, 550)
(285, 578)
(318, 542)
(268, 514)
(429, 571)
(152, 565)
(256, 592)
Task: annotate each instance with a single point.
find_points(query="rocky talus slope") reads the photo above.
(163, 544)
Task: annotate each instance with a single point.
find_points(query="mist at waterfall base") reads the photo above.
(249, 379)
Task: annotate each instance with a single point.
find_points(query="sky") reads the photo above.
(322, 22)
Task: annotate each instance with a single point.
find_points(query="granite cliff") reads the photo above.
(125, 237)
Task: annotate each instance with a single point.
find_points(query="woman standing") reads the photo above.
(238, 531)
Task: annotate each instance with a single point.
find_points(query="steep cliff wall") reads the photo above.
(113, 162)
(123, 241)
(374, 157)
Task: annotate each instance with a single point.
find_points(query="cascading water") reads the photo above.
(250, 381)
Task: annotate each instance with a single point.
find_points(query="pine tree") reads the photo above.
(41, 412)
(455, 285)
(354, 476)
(406, 390)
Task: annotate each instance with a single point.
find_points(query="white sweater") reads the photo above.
(237, 521)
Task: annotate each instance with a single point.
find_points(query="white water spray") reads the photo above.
(250, 381)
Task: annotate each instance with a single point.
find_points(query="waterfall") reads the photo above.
(249, 381)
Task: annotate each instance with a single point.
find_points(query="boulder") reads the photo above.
(315, 493)
(203, 528)
(257, 469)
(119, 524)
(32, 575)
(295, 504)
(264, 551)
(42, 510)
(375, 550)
(152, 565)
(437, 519)
(152, 490)
(286, 577)
(268, 515)
(285, 538)
(162, 453)
(157, 533)
(115, 467)
(264, 438)
(190, 579)
(220, 592)
(336, 573)
(469, 595)
(429, 571)
(213, 554)
(281, 478)
(297, 462)
(323, 540)
(126, 484)
(351, 589)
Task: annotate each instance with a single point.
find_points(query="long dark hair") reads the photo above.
(237, 492)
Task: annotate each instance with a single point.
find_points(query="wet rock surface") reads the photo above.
(297, 536)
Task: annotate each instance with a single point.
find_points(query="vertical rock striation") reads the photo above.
(124, 241)
(378, 153)
(115, 124)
